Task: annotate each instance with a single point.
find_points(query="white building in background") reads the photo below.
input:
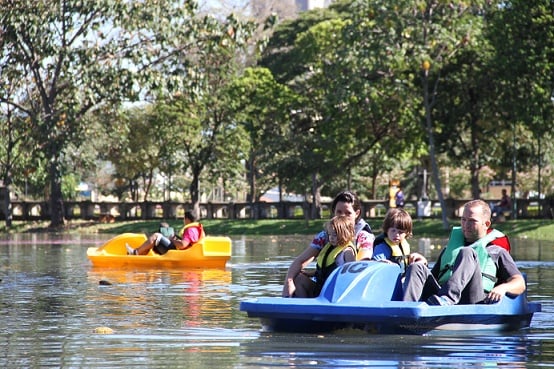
(311, 4)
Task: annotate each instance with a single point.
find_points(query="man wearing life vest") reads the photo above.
(503, 242)
(470, 269)
(191, 233)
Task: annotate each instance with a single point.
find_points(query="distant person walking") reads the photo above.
(399, 198)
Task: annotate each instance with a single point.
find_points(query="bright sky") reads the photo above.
(225, 5)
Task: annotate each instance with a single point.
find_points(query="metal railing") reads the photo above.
(111, 211)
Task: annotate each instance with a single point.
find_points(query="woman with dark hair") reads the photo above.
(298, 282)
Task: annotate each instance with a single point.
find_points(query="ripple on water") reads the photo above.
(51, 302)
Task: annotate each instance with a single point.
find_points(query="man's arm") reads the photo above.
(508, 273)
(515, 285)
(190, 236)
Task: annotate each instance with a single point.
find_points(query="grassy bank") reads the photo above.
(539, 229)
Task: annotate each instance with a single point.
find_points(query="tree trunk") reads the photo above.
(374, 186)
(56, 196)
(514, 171)
(539, 165)
(253, 196)
(134, 190)
(194, 194)
(148, 184)
(6, 203)
(432, 154)
(316, 197)
(475, 188)
(7, 174)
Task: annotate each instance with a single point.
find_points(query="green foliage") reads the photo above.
(524, 61)
(262, 107)
(280, 56)
(467, 128)
(340, 105)
(200, 119)
(355, 98)
(70, 58)
(69, 187)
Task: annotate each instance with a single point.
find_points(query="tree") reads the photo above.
(264, 9)
(354, 95)
(262, 106)
(139, 145)
(423, 36)
(280, 55)
(370, 95)
(468, 126)
(201, 111)
(15, 156)
(442, 31)
(73, 58)
(12, 156)
(526, 81)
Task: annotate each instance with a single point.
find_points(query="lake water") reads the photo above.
(55, 305)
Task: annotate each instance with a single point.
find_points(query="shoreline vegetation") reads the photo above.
(536, 229)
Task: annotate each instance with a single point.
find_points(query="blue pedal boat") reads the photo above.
(367, 295)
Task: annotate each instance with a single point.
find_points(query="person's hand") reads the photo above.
(495, 295)
(417, 258)
(290, 288)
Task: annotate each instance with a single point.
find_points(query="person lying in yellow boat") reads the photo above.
(191, 233)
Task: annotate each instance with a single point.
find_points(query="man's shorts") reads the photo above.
(163, 245)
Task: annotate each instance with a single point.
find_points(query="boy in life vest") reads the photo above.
(191, 233)
(392, 246)
(470, 269)
(339, 250)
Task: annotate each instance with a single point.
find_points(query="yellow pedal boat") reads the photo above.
(213, 252)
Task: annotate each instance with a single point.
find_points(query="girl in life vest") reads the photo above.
(339, 250)
(346, 204)
(392, 245)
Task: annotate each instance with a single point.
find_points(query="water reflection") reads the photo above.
(347, 350)
(175, 298)
(52, 301)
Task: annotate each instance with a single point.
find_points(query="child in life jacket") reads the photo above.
(339, 250)
(392, 245)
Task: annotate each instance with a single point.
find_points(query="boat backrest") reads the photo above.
(167, 231)
(363, 281)
(215, 246)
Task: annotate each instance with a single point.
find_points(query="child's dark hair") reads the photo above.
(189, 216)
(399, 219)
